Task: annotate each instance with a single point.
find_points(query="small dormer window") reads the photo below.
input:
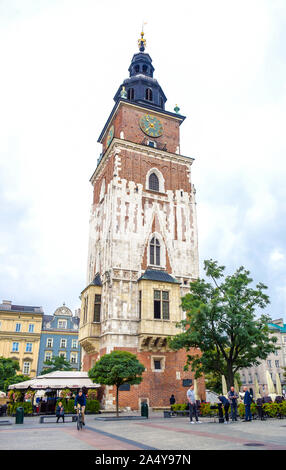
(149, 94)
(130, 94)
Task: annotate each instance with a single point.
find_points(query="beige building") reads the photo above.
(274, 363)
(20, 332)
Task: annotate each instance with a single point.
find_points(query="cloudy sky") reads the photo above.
(61, 62)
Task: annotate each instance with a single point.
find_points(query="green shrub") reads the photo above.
(179, 406)
(92, 406)
(12, 407)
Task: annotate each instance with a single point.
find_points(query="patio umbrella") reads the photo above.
(236, 387)
(256, 388)
(278, 385)
(270, 385)
(197, 397)
(2, 394)
(224, 387)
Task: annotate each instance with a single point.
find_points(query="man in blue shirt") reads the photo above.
(80, 399)
(247, 400)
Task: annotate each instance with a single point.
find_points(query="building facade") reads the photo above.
(20, 332)
(59, 337)
(274, 364)
(143, 250)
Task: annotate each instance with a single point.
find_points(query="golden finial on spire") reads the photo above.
(142, 41)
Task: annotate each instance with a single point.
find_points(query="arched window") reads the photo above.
(148, 94)
(136, 68)
(155, 251)
(145, 68)
(130, 94)
(153, 182)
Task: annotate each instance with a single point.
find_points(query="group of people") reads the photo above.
(231, 400)
(80, 399)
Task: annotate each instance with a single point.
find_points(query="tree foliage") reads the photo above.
(56, 363)
(8, 368)
(221, 321)
(117, 368)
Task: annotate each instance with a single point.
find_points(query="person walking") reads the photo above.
(226, 406)
(247, 402)
(192, 404)
(60, 412)
(233, 397)
(172, 402)
(80, 399)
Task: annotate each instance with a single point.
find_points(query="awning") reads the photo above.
(57, 380)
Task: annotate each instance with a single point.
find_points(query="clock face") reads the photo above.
(110, 136)
(151, 125)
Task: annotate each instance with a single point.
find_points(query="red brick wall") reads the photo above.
(158, 386)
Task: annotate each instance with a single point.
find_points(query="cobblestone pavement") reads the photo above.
(155, 433)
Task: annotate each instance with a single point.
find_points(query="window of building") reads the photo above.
(140, 304)
(26, 368)
(0, 325)
(31, 328)
(63, 343)
(49, 342)
(277, 363)
(62, 324)
(154, 182)
(151, 143)
(74, 358)
(130, 94)
(157, 364)
(269, 363)
(63, 354)
(250, 379)
(276, 353)
(148, 94)
(161, 305)
(18, 327)
(74, 343)
(136, 68)
(15, 347)
(29, 347)
(48, 356)
(97, 308)
(145, 68)
(85, 309)
(155, 251)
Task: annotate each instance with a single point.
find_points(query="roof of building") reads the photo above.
(156, 275)
(8, 306)
(282, 329)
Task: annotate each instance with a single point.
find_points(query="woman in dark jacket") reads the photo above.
(60, 412)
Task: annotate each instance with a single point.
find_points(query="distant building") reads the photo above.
(274, 363)
(20, 332)
(60, 338)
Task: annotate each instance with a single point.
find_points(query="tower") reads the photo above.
(143, 249)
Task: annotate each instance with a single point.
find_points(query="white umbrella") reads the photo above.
(278, 385)
(224, 387)
(197, 397)
(270, 385)
(256, 387)
(236, 387)
(2, 394)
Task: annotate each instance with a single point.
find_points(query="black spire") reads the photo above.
(141, 87)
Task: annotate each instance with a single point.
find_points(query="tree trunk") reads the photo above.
(230, 376)
(117, 393)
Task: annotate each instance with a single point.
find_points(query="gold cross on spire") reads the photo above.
(142, 41)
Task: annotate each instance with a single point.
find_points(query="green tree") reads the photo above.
(56, 363)
(221, 321)
(8, 368)
(15, 380)
(117, 368)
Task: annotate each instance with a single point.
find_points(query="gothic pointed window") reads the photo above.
(149, 94)
(155, 251)
(153, 182)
